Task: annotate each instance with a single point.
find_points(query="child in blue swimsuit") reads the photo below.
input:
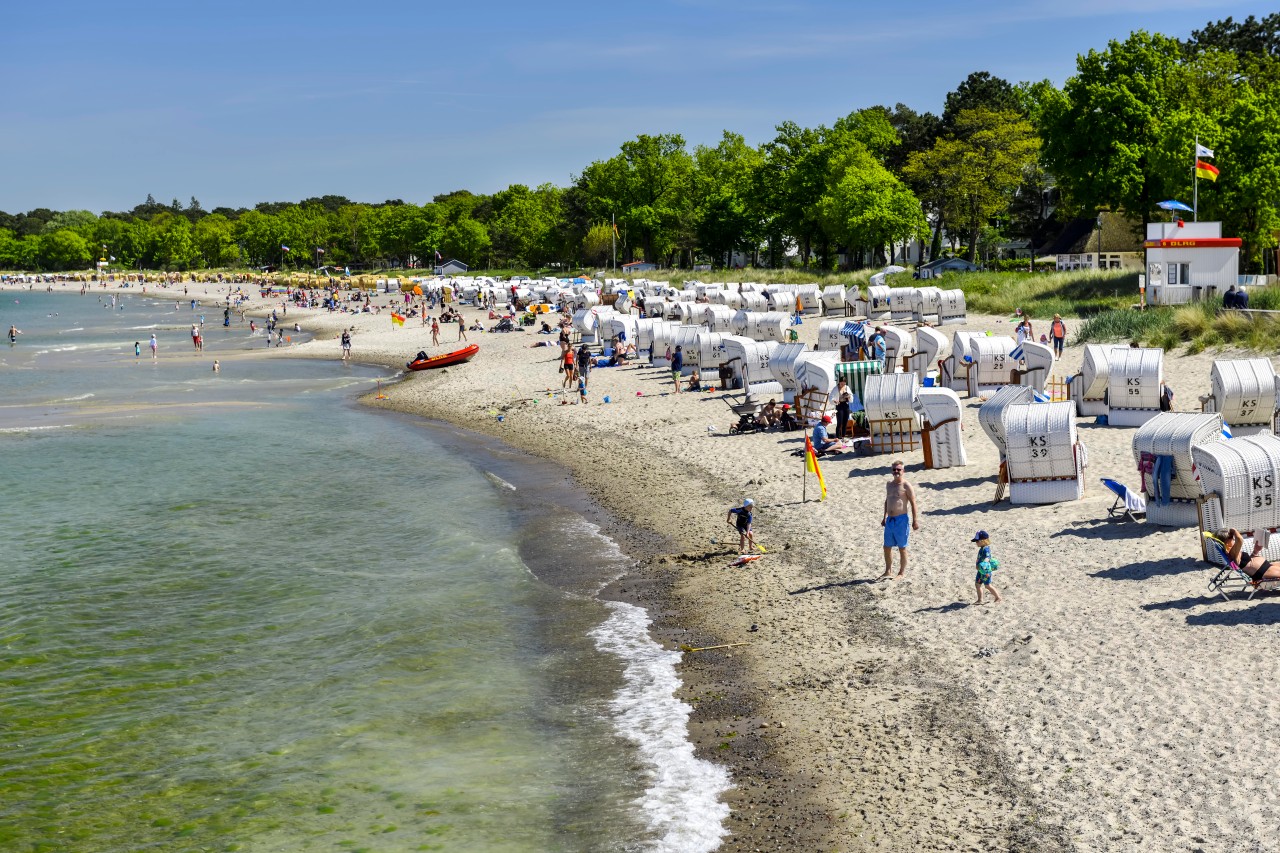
(986, 565)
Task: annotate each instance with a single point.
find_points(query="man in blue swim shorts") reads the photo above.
(899, 498)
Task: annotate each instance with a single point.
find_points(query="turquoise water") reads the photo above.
(240, 612)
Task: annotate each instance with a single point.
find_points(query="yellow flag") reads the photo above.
(811, 465)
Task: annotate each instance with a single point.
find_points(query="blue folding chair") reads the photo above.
(1128, 503)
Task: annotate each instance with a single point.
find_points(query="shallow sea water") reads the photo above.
(241, 612)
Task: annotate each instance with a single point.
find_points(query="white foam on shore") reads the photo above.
(498, 481)
(681, 804)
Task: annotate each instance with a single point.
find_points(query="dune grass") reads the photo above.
(1077, 293)
(1198, 326)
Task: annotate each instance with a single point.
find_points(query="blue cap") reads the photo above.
(979, 536)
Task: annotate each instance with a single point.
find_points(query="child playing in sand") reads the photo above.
(582, 388)
(743, 523)
(986, 565)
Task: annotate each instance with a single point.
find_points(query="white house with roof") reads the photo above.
(1188, 261)
(453, 266)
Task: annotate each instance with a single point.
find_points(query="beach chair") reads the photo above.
(1128, 503)
(1229, 576)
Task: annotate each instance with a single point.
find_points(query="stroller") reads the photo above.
(747, 411)
(504, 325)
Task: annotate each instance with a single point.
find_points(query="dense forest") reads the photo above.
(1000, 161)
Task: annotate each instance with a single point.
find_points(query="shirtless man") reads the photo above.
(899, 497)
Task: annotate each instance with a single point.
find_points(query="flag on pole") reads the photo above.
(811, 465)
(319, 251)
(398, 319)
(113, 257)
(285, 248)
(1208, 171)
(615, 230)
(438, 257)
(1201, 151)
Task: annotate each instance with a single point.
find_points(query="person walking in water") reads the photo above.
(153, 346)
(137, 349)
(14, 331)
(899, 498)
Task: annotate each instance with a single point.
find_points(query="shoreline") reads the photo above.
(1076, 715)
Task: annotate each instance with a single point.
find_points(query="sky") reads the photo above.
(237, 102)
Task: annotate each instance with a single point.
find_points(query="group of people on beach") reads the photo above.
(899, 519)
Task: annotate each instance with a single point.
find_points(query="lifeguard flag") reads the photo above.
(1208, 171)
(811, 465)
(398, 319)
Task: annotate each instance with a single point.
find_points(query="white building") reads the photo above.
(1188, 261)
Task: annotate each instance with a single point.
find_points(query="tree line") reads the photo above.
(989, 168)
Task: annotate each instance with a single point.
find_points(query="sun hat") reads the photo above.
(979, 536)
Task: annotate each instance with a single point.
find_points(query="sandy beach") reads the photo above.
(1109, 703)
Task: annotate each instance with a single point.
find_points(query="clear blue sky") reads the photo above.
(237, 102)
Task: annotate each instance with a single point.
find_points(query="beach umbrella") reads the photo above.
(1173, 204)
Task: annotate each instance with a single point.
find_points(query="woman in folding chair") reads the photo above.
(1255, 565)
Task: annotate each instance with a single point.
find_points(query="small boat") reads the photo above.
(445, 359)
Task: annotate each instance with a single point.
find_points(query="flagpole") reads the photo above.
(804, 478)
(1195, 173)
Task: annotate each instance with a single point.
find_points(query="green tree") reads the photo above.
(468, 241)
(1101, 135)
(725, 218)
(215, 240)
(980, 90)
(522, 225)
(597, 245)
(175, 243)
(978, 169)
(647, 187)
(867, 206)
(64, 250)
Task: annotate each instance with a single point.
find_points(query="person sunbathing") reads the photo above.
(1255, 565)
(768, 416)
